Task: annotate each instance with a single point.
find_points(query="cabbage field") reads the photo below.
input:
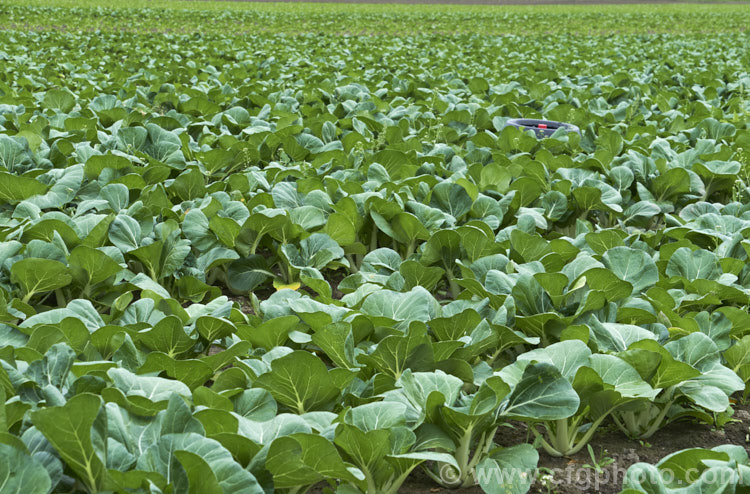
(257, 248)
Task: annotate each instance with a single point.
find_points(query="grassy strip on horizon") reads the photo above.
(693, 6)
(247, 18)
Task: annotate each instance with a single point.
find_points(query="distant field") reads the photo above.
(375, 6)
(296, 248)
(240, 18)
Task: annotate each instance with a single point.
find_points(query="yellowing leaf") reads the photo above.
(279, 285)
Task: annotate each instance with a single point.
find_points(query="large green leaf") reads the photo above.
(416, 305)
(301, 382)
(39, 275)
(15, 188)
(164, 457)
(76, 430)
(508, 470)
(692, 265)
(303, 460)
(20, 473)
(316, 251)
(91, 266)
(631, 265)
(541, 394)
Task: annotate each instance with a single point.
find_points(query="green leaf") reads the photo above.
(671, 184)
(21, 474)
(738, 355)
(394, 354)
(555, 205)
(451, 198)
(14, 153)
(65, 186)
(191, 372)
(201, 478)
(246, 274)
(415, 274)
(508, 470)
(608, 283)
(269, 334)
(14, 188)
(99, 162)
(632, 265)
(91, 266)
(255, 404)
(316, 251)
(300, 460)
(686, 465)
(71, 430)
(657, 365)
(225, 229)
(566, 356)
(456, 326)
(415, 390)
(145, 395)
(125, 233)
(163, 458)
(59, 99)
(542, 394)
(214, 328)
(341, 228)
(39, 275)
(416, 305)
(693, 264)
(445, 247)
(337, 341)
(168, 336)
(301, 382)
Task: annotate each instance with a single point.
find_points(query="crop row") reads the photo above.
(296, 18)
(255, 267)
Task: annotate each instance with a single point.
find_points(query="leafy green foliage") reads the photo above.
(230, 269)
(721, 469)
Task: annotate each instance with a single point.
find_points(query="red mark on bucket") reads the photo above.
(542, 126)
